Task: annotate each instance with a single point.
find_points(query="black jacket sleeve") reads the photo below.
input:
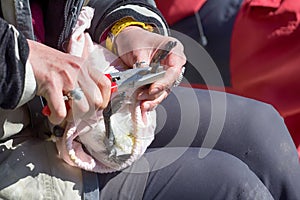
(107, 12)
(14, 52)
(59, 24)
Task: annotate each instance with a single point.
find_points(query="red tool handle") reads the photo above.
(114, 88)
(47, 112)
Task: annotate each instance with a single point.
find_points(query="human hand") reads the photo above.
(136, 45)
(57, 73)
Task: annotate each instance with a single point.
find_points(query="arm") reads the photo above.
(17, 82)
(107, 12)
(28, 68)
(134, 44)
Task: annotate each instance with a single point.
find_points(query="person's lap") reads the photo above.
(162, 174)
(251, 132)
(254, 146)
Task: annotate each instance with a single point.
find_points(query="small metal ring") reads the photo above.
(179, 78)
(75, 94)
(168, 90)
(139, 64)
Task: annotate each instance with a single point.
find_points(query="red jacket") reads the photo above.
(265, 56)
(175, 10)
(265, 60)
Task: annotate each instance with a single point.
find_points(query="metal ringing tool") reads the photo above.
(133, 79)
(121, 81)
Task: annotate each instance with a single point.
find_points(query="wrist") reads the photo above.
(123, 24)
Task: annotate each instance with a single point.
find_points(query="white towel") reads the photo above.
(84, 143)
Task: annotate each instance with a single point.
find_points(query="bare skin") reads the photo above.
(135, 44)
(57, 73)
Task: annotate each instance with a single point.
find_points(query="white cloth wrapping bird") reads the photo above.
(85, 143)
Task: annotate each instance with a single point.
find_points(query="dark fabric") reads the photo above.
(218, 176)
(175, 10)
(217, 19)
(265, 57)
(253, 132)
(38, 21)
(103, 19)
(59, 24)
(60, 18)
(253, 144)
(14, 53)
(1, 13)
(90, 185)
(23, 18)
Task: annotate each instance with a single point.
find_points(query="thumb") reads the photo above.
(165, 83)
(140, 58)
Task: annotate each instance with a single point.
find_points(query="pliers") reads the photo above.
(124, 80)
(121, 82)
(132, 79)
(137, 77)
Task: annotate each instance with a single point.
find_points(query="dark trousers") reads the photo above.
(212, 145)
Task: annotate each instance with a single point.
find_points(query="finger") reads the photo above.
(161, 85)
(174, 68)
(103, 89)
(119, 63)
(174, 60)
(92, 93)
(144, 94)
(56, 104)
(141, 55)
(79, 106)
(166, 82)
(150, 105)
(176, 57)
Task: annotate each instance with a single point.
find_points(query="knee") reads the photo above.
(219, 175)
(261, 128)
(264, 113)
(238, 181)
(255, 115)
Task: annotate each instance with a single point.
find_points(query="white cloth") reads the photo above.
(84, 143)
